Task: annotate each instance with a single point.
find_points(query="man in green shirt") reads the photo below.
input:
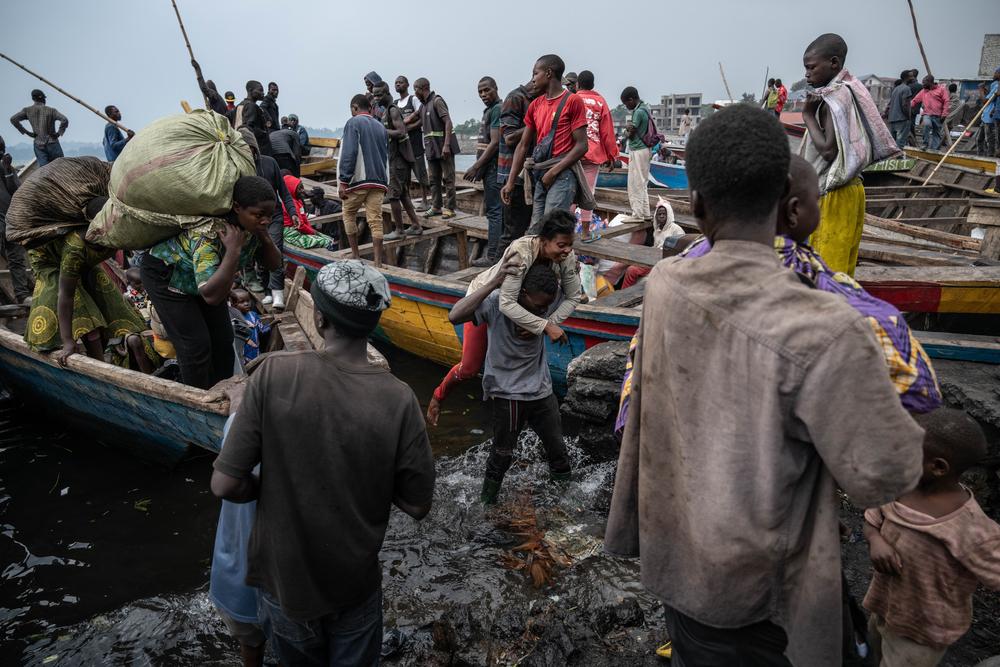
(639, 154)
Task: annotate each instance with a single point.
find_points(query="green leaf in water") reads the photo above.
(50, 658)
(142, 505)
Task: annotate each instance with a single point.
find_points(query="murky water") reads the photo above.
(105, 560)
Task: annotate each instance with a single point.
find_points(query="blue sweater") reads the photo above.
(363, 154)
(114, 141)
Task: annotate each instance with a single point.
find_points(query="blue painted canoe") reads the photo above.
(661, 175)
(155, 419)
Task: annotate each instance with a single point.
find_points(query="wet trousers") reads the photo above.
(510, 418)
(474, 341)
(760, 644)
(441, 173)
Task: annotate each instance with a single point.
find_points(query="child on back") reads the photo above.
(242, 302)
(929, 550)
(516, 376)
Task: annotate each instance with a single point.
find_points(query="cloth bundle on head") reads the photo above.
(351, 295)
(862, 135)
(373, 78)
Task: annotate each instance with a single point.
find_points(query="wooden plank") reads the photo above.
(984, 349)
(304, 315)
(937, 201)
(944, 238)
(292, 291)
(388, 246)
(931, 221)
(619, 252)
(624, 298)
(884, 252)
(324, 142)
(951, 186)
(462, 241)
(311, 168)
(465, 275)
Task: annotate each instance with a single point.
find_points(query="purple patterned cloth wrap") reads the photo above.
(908, 364)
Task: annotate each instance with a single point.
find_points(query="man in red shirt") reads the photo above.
(555, 152)
(934, 99)
(782, 97)
(602, 147)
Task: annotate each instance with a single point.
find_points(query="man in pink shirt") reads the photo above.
(934, 99)
(602, 148)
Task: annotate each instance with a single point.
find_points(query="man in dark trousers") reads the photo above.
(42, 119)
(269, 105)
(485, 168)
(410, 106)
(329, 477)
(440, 146)
(249, 115)
(268, 169)
(516, 211)
(17, 258)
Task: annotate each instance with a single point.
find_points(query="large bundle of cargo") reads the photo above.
(52, 200)
(178, 173)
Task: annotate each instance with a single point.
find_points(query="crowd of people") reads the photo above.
(937, 110)
(729, 463)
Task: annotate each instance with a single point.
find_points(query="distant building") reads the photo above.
(667, 114)
(880, 88)
(990, 58)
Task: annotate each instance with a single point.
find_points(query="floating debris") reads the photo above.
(535, 555)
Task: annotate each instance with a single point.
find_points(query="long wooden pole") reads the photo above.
(764, 94)
(724, 82)
(69, 95)
(916, 33)
(187, 42)
(954, 144)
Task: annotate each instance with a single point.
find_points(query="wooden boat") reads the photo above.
(662, 175)
(156, 419)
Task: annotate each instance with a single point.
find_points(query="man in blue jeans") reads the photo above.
(485, 169)
(331, 477)
(557, 149)
(42, 119)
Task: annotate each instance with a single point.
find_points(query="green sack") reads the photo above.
(176, 174)
(51, 201)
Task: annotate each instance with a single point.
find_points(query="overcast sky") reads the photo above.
(130, 52)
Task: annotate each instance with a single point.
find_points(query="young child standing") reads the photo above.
(516, 377)
(930, 549)
(844, 134)
(241, 300)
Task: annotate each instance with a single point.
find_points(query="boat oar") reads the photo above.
(724, 82)
(69, 95)
(954, 144)
(187, 42)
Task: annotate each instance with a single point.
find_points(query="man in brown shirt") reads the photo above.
(42, 119)
(328, 476)
(754, 396)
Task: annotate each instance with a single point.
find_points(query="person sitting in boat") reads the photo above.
(189, 277)
(318, 205)
(299, 232)
(552, 247)
(663, 228)
(74, 299)
(517, 379)
(135, 294)
(798, 216)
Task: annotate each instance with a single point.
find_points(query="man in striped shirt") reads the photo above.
(43, 128)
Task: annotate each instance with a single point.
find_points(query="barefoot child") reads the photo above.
(516, 378)
(844, 134)
(930, 549)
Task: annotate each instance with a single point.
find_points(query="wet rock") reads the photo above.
(973, 387)
(984, 484)
(625, 614)
(581, 406)
(605, 361)
(554, 647)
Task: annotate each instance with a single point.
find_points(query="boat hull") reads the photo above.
(154, 428)
(672, 176)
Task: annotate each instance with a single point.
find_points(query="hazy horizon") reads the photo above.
(319, 52)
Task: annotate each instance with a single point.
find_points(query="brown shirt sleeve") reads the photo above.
(848, 404)
(242, 448)
(414, 477)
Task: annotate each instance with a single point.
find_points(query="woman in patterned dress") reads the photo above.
(75, 299)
